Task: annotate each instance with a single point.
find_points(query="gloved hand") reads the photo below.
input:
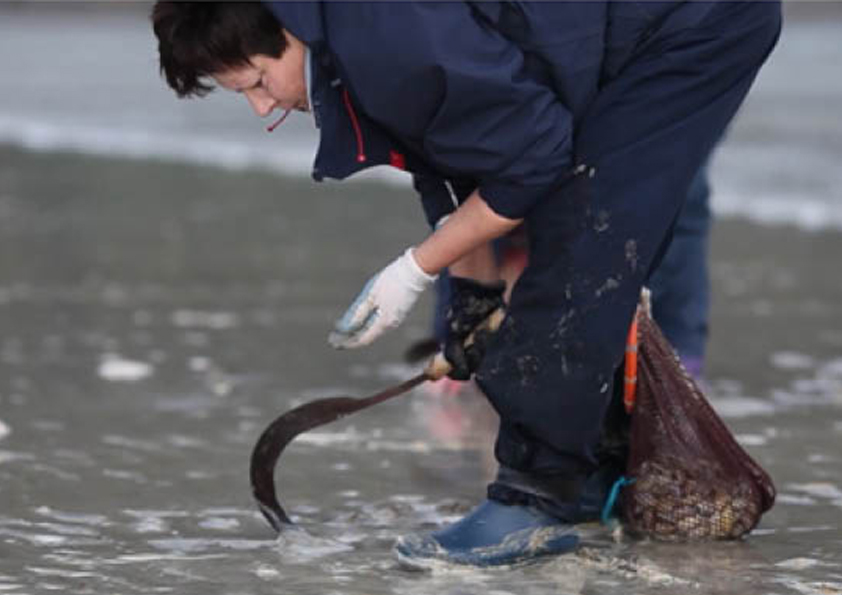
(383, 303)
(470, 303)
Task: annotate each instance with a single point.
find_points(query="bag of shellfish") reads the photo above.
(688, 478)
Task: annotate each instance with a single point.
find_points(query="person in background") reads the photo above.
(681, 284)
(586, 122)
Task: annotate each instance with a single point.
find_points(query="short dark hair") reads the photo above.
(200, 39)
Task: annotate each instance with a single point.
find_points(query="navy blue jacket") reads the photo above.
(466, 95)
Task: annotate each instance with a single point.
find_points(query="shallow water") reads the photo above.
(155, 318)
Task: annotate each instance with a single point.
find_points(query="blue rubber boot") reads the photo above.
(493, 534)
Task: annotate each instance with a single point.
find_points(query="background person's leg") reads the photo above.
(680, 285)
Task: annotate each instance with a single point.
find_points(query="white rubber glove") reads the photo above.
(383, 303)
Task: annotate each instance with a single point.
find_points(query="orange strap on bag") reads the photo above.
(630, 372)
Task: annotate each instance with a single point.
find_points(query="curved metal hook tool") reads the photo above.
(275, 438)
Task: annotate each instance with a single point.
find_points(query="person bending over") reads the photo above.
(585, 122)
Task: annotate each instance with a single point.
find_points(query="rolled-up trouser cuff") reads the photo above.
(551, 487)
(554, 494)
(515, 450)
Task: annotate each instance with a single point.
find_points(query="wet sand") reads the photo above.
(155, 317)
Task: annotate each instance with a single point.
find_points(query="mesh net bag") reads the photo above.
(689, 478)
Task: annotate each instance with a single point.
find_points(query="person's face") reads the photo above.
(271, 83)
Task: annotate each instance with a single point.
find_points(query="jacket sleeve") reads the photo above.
(440, 197)
(435, 197)
(437, 75)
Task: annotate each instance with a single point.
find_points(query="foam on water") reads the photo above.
(200, 544)
(641, 569)
(7, 456)
(220, 524)
(125, 475)
(814, 382)
(297, 546)
(824, 490)
(793, 500)
(107, 141)
(367, 441)
(812, 213)
(151, 525)
(810, 587)
(60, 572)
(202, 319)
(146, 558)
(73, 517)
(799, 563)
(153, 521)
(132, 443)
(59, 529)
(180, 441)
(751, 439)
(49, 540)
(199, 364)
(267, 572)
(741, 406)
(325, 438)
(791, 360)
(116, 368)
(570, 573)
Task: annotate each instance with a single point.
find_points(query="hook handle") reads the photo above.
(439, 367)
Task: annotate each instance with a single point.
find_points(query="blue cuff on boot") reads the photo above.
(493, 534)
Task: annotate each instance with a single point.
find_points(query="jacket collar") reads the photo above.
(349, 141)
(303, 19)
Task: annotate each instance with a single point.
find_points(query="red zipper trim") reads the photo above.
(361, 158)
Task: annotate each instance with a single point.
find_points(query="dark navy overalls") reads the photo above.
(588, 120)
